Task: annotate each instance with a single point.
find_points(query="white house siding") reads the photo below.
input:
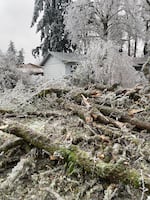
(54, 69)
(68, 69)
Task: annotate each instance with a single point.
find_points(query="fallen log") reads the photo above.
(113, 172)
(124, 117)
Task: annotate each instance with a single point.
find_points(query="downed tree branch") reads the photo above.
(5, 111)
(58, 91)
(107, 131)
(81, 94)
(11, 144)
(113, 172)
(124, 117)
(30, 114)
(99, 117)
(93, 115)
(80, 111)
(53, 194)
(18, 171)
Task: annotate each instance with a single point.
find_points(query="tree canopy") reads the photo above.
(105, 19)
(48, 17)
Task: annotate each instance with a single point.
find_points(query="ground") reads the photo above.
(82, 134)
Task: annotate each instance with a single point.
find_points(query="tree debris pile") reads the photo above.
(77, 143)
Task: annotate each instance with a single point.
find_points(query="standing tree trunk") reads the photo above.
(54, 3)
(105, 29)
(145, 49)
(135, 46)
(129, 45)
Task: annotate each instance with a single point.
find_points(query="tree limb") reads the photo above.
(124, 117)
(11, 144)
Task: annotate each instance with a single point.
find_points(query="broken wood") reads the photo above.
(80, 111)
(11, 144)
(92, 115)
(123, 117)
(99, 117)
(113, 172)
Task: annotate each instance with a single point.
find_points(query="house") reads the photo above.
(57, 65)
(30, 69)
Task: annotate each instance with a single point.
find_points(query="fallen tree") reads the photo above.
(91, 134)
(74, 156)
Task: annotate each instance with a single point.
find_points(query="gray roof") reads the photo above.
(140, 60)
(64, 57)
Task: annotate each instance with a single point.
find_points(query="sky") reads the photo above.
(15, 21)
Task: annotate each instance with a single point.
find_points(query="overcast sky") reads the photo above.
(15, 20)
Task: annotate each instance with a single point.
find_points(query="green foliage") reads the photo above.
(50, 25)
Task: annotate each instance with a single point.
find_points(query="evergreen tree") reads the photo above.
(50, 25)
(11, 53)
(11, 48)
(20, 57)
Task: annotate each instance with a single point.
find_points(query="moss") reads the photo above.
(132, 177)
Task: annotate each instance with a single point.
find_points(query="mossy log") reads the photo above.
(124, 117)
(112, 172)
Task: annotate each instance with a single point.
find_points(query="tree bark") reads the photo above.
(145, 49)
(135, 46)
(129, 46)
(124, 117)
(90, 116)
(11, 144)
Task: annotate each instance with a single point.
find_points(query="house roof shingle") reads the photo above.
(31, 69)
